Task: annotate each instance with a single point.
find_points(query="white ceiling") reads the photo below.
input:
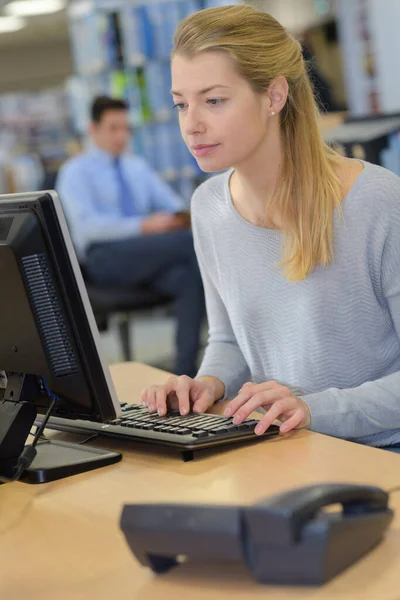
(41, 29)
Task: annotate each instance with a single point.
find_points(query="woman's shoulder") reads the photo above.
(380, 180)
(376, 190)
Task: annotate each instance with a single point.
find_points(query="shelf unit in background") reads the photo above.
(122, 48)
(369, 40)
(35, 130)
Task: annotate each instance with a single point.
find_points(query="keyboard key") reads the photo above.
(192, 421)
(250, 424)
(175, 421)
(232, 428)
(200, 434)
(220, 429)
(217, 426)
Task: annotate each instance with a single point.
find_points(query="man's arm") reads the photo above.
(86, 224)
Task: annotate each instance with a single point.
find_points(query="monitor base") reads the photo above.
(56, 460)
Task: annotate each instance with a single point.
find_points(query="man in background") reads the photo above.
(125, 227)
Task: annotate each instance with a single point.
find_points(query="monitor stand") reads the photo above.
(54, 459)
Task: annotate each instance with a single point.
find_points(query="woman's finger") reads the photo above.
(161, 400)
(249, 390)
(295, 421)
(239, 401)
(143, 396)
(182, 391)
(274, 412)
(151, 398)
(156, 396)
(204, 402)
(260, 399)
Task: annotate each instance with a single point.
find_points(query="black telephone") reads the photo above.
(284, 539)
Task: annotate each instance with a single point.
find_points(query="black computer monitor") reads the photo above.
(49, 342)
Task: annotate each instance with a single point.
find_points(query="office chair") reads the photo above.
(123, 303)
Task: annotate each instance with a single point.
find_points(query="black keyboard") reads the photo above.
(186, 433)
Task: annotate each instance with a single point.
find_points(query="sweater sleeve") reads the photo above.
(374, 406)
(223, 358)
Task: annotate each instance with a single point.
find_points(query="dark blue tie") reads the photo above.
(125, 196)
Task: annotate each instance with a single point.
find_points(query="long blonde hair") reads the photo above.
(309, 189)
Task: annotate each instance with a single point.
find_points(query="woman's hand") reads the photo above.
(279, 402)
(183, 393)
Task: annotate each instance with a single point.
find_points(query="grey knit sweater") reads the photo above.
(334, 338)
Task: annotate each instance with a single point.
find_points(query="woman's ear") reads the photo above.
(277, 93)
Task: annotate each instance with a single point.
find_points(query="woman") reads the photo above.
(299, 248)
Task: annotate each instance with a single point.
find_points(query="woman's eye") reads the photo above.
(216, 101)
(212, 101)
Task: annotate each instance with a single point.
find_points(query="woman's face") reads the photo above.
(222, 120)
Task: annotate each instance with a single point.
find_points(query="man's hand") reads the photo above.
(161, 222)
(277, 399)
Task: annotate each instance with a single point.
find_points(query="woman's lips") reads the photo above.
(203, 149)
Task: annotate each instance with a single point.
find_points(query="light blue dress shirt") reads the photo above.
(88, 189)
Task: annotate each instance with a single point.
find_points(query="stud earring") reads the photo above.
(273, 113)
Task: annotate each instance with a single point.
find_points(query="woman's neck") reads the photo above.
(255, 179)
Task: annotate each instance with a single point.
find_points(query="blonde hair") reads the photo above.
(309, 188)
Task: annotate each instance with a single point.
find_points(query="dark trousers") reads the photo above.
(395, 448)
(167, 262)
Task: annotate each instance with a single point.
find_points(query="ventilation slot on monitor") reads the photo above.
(49, 315)
(5, 226)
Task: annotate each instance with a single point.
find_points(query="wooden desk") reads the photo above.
(61, 541)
